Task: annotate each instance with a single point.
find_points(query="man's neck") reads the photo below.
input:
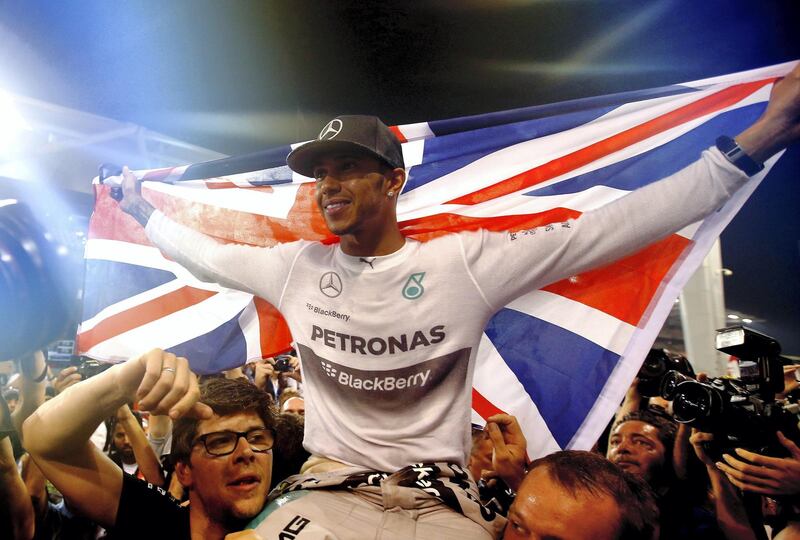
(202, 527)
(372, 246)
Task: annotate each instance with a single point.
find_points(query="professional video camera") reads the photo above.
(657, 370)
(743, 412)
(40, 284)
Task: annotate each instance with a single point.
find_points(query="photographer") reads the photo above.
(728, 505)
(276, 375)
(17, 518)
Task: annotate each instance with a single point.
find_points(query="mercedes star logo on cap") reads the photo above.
(331, 130)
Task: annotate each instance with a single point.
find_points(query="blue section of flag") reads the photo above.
(662, 161)
(552, 363)
(222, 348)
(109, 282)
(444, 155)
(610, 101)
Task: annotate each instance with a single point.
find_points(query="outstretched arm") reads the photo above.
(57, 434)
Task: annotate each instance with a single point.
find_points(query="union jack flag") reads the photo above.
(559, 358)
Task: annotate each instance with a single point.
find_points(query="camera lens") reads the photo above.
(670, 382)
(695, 403)
(38, 287)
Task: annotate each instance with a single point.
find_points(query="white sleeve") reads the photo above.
(507, 265)
(257, 270)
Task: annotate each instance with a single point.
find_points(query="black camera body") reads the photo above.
(658, 364)
(282, 364)
(741, 413)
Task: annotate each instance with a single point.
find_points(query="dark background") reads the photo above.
(238, 76)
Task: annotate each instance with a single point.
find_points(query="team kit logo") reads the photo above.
(331, 130)
(330, 284)
(413, 288)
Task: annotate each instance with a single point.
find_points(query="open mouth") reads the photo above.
(334, 207)
(245, 482)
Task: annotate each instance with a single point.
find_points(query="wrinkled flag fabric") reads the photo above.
(559, 358)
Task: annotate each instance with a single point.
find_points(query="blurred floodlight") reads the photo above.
(11, 123)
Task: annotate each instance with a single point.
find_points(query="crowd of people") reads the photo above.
(648, 477)
(387, 331)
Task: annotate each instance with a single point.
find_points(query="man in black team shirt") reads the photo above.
(223, 448)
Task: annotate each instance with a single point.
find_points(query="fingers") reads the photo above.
(758, 459)
(497, 439)
(160, 369)
(130, 183)
(168, 386)
(746, 472)
(189, 405)
(787, 443)
(66, 378)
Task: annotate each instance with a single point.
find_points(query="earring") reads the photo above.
(390, 194)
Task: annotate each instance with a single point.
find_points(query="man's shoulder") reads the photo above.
(139, 498)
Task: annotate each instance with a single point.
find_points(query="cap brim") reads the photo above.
(303, 158)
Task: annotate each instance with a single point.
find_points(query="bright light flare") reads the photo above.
(11, 124)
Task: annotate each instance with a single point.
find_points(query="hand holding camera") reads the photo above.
(764, 474)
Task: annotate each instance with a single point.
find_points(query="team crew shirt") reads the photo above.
(387, 344)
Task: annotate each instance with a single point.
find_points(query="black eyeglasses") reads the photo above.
(222, 443)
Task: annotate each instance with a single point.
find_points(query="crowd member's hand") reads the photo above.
(764, 474)
(295, 374)
(698, 439)
(790, 382)
(632, 401)
(66, 378)
(509, 458)
(264, 369)
(162, 383)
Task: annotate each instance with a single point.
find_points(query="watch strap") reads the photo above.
(734, 153)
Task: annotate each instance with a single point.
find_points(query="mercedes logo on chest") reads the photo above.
(331, 130)
(330, 284)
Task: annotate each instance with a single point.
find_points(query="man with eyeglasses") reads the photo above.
(222, 446)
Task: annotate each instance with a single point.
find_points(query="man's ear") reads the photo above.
(184, 472)
(397, 179)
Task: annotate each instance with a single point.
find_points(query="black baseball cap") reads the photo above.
(347, 133)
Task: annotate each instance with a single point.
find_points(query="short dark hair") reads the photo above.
(666, 427)
(225, 397)
(11, 393)
(586, 472)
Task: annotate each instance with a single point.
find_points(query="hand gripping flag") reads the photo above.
(559, 358)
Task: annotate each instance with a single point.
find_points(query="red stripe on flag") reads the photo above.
(398, 134)
(147, 312)
(430, 227)
(274, 332)
(625, 288)
(720, 100)
(220, 185)
(483, 406)
(108, 222)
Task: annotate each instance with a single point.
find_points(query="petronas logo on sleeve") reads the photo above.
(413, 288)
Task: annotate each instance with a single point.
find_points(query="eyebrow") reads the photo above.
(232, 430)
